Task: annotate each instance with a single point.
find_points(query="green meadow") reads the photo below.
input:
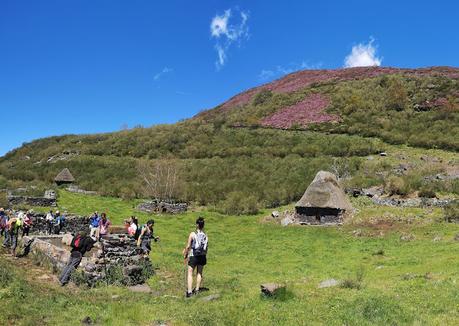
(395, 267)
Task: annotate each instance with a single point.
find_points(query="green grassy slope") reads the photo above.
(226, 155)
(404, 283)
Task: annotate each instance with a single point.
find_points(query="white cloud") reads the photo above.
(363, 55)
(227, 29)
(160, 74)
(278, 71)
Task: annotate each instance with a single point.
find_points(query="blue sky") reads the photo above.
(91, 66)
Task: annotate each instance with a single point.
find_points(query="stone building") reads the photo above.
(324, 201)
(64, 177)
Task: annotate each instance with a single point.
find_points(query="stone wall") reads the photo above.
(31, 201)
(162, 207)
(73, 224)
(115, 260)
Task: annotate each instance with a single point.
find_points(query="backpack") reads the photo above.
(137, 232)
(200, 244)
(76, 241)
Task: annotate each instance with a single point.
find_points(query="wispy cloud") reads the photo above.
(160, 74)
(363, 55)
(281, 70)
(229, 28)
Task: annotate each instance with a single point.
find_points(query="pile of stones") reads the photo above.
(162, 207)
(117, 260)
(73, 224)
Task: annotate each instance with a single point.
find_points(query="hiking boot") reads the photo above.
(188, 294)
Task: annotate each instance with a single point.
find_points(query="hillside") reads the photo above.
(263, 146)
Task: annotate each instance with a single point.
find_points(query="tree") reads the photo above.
(161, 179)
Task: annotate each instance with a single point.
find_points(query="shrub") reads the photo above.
(262, 97)
(239, 203)
(451, 211)
(426, 192)
(395, 186)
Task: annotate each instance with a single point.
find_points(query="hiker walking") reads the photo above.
(13, 226)
(50, 221)
(80, 244)
(94, 225)
(145, 236)
(196, 251)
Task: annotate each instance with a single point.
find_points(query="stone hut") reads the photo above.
(64, 177)
(324, 201)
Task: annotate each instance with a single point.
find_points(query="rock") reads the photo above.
(437, 238)
(270, 289)
(211, 297)
(140, 288)
(67, 239)
(115, 296)
(286, 221)
(86, 321)
(456, 237)
(90, 267)
(407, 237)
(275, 214)
(328, 283)
(383, 154)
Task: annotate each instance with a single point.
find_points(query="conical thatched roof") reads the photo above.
(325, 192)
(64, 176)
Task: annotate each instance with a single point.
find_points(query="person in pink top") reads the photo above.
(104, 225)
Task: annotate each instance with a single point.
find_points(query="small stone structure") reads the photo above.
(324, 201)
(78, 190)
(162, 207)
(64, 177)
(46, 201)
(114, 260)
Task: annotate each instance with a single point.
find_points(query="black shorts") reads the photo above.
(194, 261)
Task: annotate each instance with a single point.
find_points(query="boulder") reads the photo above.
(67, 239)
(286, 221)
(270, 289)
(211, 297)
(140, 288)
(328, 283)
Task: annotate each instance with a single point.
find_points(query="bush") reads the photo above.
(426, 192)
(395, 186)
(239, 203)
(451, 212)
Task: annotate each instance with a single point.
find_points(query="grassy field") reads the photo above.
(387, 281)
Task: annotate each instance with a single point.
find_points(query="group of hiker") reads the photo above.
(54, 222)
(10, 226)
(194, 253)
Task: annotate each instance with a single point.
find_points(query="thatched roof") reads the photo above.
(64, 176)
(325, 192)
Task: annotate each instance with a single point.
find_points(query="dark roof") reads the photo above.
(64, 176)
